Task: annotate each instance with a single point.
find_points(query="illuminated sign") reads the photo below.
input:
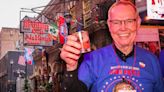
(37, 39)
(28, 25)
(35, 32)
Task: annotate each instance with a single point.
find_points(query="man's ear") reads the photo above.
(138, 22)
(108, 23)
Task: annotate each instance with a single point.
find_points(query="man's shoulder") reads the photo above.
(144, 53)
(162, 52)
(142, 50)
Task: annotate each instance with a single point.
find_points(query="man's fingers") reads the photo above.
(71, 62)
(66, 55)
(74, 44)
(70, 52)
(71, 49)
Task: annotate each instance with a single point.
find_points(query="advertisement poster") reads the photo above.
(148, 38)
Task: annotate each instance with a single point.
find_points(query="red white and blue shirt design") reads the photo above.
(100, 71)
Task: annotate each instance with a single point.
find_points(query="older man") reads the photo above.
(119, 67)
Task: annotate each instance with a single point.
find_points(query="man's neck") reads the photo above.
(125, 49)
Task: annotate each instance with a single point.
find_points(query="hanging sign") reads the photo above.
(35, 32)
(37, 39)
(31, 26)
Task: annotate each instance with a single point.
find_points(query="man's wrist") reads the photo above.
(71, 67)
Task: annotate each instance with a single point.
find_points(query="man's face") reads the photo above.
(123, 24)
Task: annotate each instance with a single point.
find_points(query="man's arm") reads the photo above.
(70, 54)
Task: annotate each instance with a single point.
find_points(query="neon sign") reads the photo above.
(35, 32)
(37, 39)
(34, 27)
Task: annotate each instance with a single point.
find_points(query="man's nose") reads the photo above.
(123, 25)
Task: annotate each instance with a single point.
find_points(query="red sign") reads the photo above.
(35, 32)
(28, 25)
(37, 39)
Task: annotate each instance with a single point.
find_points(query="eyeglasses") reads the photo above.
(126, 22)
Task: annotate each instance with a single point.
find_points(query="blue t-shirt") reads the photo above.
(102, 69)
(161, 61)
